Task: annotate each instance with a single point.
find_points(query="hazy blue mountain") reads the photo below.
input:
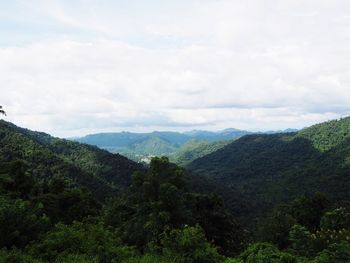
(137, 146)
(227, 134)
(143, 146)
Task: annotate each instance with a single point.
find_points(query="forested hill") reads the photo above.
(279, 167)
(52, 205)
(195, 149)
(79, 164)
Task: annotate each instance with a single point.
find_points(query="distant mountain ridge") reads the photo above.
(157, 143)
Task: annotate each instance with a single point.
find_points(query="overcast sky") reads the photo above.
(75, 67)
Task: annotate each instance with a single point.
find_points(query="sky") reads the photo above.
(75, 67)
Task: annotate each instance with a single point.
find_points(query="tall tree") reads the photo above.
(2, 111)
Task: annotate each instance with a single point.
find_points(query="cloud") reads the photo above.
(207, 64)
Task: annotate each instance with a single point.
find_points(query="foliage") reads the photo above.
(300, 239)
(2, 110)
(276, 168)
(158, 200)
(333, 231)
(68, 205)
(54, 205)
(266, 253)
(188, 245)
(276, 227)
(338, 253)
(220, 227)
(15, 180)
(92, 240)
(16, 256)
(73, 258)
(308, 211)
(195, 149)
(20, 223)
(327, 135)
(337, 219)
(81, 165)
(155, 202)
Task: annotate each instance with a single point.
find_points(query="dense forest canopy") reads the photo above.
(277, 168)
(62, 201)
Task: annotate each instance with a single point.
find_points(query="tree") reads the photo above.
(275, 229)
(20, 223)
(15, 255)
(159, 200)
(266, 253)
(2, 111)
(303, 211)
(339, 252)
(16, 180)
(300, 238)
(337, 219)
(219, 226)
(68, 205)
(308, 211)
(156, 202)
(90, 240)
(188, 245)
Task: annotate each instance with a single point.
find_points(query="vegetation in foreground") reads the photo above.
(158, 220)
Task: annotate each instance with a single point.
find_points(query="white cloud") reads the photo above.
(194, 64)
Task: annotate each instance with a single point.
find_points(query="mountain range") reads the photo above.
(57, 193)
(265, 169)
(143, 146)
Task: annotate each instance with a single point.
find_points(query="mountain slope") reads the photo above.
(278, 167)
(152, 146)
(195, 149)
(45, 156)
(137, 145)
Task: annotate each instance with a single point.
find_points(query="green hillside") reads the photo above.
(83, 165)
(328, 135)
(53, 205)
(279, 167)
(142, 146)
(195, 149)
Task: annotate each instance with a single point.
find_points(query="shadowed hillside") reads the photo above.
(276, 168)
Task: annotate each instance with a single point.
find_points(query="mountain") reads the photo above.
(139, 145)
(53, 205)
(226, 134)
(275, 168)
(83, 165)
(195, 149)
